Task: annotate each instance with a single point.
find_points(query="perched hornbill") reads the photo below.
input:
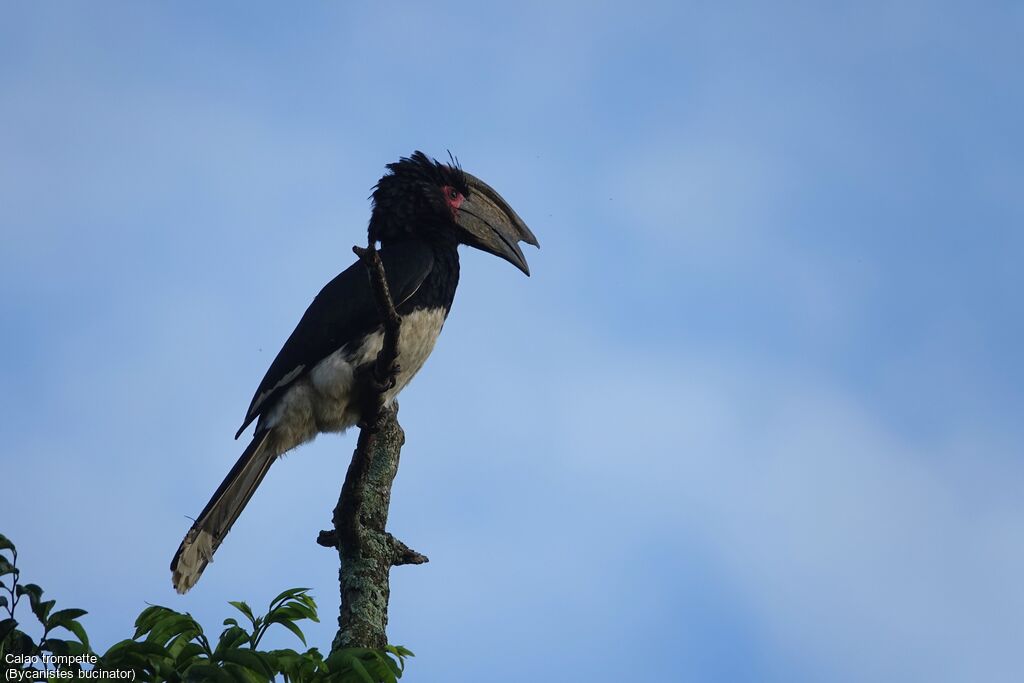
(422, 211)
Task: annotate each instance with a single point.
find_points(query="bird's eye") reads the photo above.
(452, 193)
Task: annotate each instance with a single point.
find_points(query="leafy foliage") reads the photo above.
(16, 642)
(172, 646)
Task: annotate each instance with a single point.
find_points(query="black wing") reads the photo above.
(345, 310)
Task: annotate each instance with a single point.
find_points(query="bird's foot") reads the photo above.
(374, 425)
(385, 384)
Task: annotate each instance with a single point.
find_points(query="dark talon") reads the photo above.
(382, 385)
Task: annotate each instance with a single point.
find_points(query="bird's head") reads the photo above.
(421, 198)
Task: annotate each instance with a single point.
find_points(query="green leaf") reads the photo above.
(134, 647)
(290, 593)
(171, 625)
(308, 666)
(6, 567)
(177, 644)
(76, 649)
(293, 628)
(188, 652)
(3, 601)
(61, 617)
(293, 610)
(394, 670)
(29, 589)
(241, 674)
(244, 608)
(6, 626)
(255, 661)
(358, 667)
(117, 648)
(230, 639)
(147, 619)
(208, 672)
(71, 613)
(400, 651)
(5, 543)
(41, 608)
(57, 646)
(17, 642)
(79, 631)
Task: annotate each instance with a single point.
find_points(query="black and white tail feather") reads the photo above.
(202, 540)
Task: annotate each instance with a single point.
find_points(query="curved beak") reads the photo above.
(489, 224)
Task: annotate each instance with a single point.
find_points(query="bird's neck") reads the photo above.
(438, 288)
(445, 274)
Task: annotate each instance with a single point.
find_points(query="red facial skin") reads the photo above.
(454, 199)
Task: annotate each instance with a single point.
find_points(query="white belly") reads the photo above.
(320, 400)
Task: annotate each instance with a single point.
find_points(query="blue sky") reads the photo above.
(755, 417)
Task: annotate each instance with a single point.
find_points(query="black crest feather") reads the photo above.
(408, 197)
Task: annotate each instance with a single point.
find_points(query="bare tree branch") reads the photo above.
(366, 550)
